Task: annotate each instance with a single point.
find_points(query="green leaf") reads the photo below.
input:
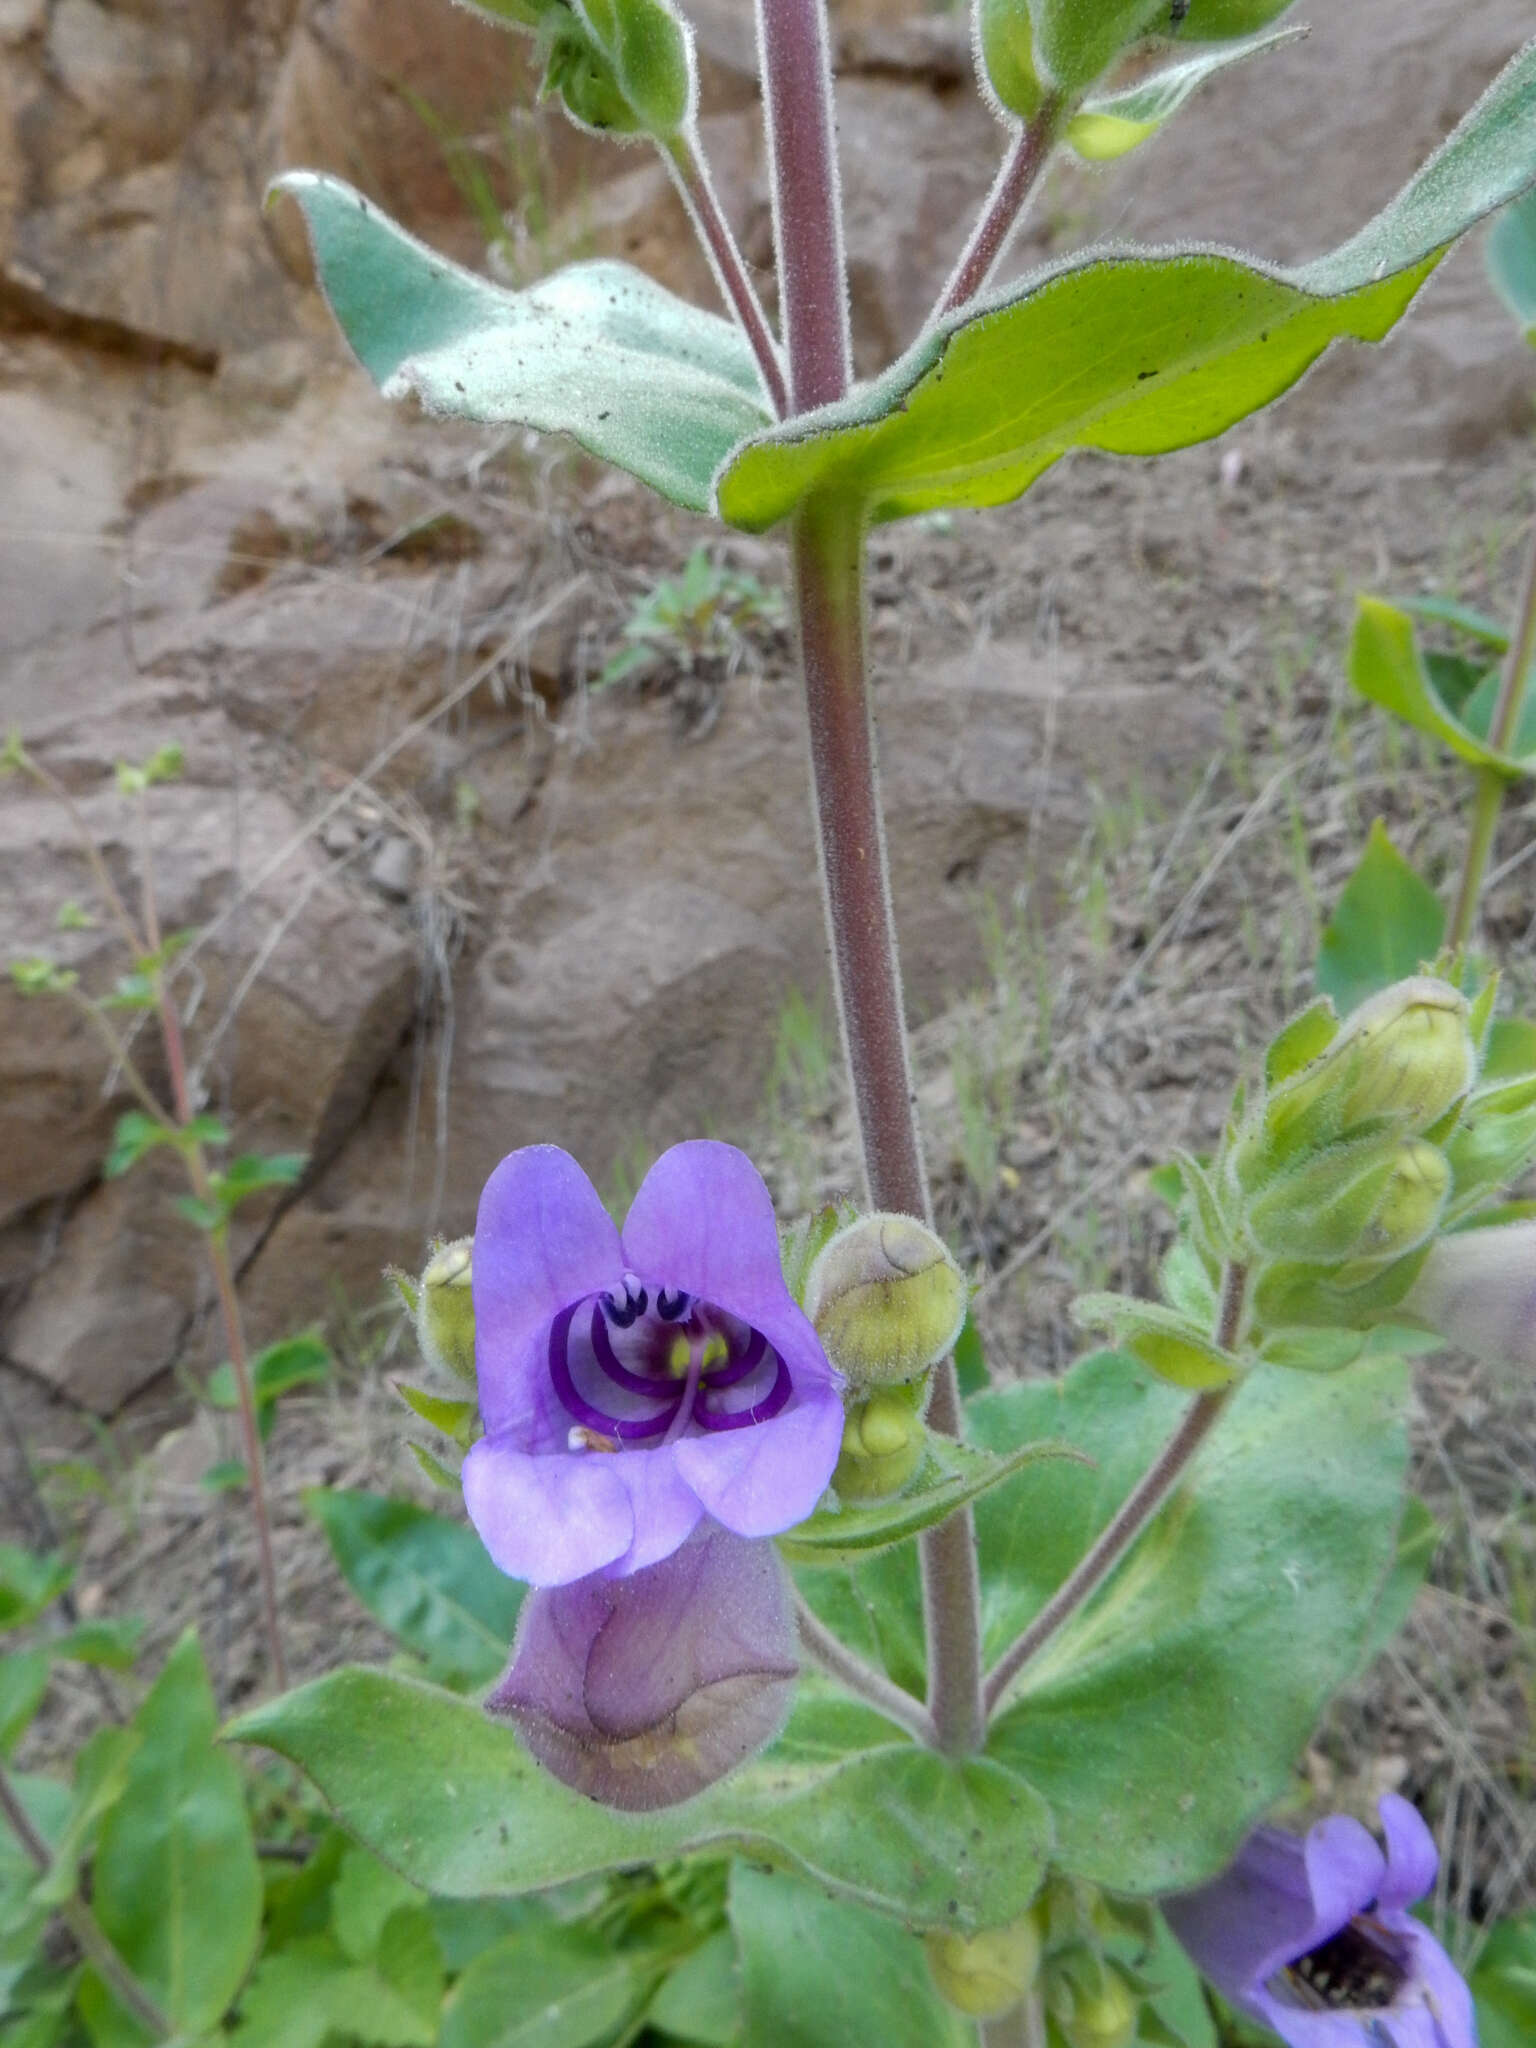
(952, 1475)
(253, 1172)
(1512, 262)
(971, 1360)
(453, 1801)
(23, 1681)
(1110, 125)
(428, 1581)
(1418, 1538)
(227, 1476)
(1448, 611)
(1169, 1712)
(700, 2001)
(365, 1894)
(309, 1990)
(101, 1775)
(112, 1640)
(134, 1135)
(456, 1419)
(1386, 924)
(29, 1584)
(434, 1468)
(1173, 1344)
(815, 1971)
(639, 378)
(1134, 353)
(1387, 668)
(176, 1885)
(1504, 1985)
(543, 1987)
(1302, 1041)
(292, 1362)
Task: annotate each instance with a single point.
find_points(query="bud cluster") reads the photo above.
(888, 1302)
(1029, 50)
(1080, 1953)
(622, 67)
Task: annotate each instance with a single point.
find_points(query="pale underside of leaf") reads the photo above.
(598, 351)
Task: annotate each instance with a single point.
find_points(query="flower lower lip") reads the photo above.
(642, 1428)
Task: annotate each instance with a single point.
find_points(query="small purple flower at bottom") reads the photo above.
(641, 1691)
(1311, 1936)
(634, 1383)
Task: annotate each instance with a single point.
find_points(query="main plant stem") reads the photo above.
(1492, 782)
(828, 547)
(1135, 1511)
(77, 1917)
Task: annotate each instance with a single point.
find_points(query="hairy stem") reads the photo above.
(77, 1917)
(859, 1678)
(1491, 784)
(1015, 181)
(829, 562)
(807, 216)
(686, 162)
(106, 887)
(1138, 1508)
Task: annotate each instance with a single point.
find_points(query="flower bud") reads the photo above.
(1105, 2017)
(1405, 1055)
(1374, 1200)
(887, 1299)
(883, 1445)
(986, 1974)
(639, 1692)
(445, 1309)
(1477, 1290)
(1005, 55)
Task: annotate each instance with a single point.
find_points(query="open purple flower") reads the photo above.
(632, 1383)
(1311, 1935)
(641, 1691)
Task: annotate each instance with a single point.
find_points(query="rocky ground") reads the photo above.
(451, 898)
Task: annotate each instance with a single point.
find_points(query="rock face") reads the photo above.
(434, 933)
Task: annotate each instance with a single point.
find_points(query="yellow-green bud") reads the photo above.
(1105, 2018)
(883, 1444)
(1406, 1056)
(445, 1309)
(986, 1974)
(1370, 1200)
(1005, 55)
(887, 1299)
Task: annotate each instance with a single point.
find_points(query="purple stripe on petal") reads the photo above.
(760, 1411)
(625, 1428)
(617, 1371)
(740, 1368)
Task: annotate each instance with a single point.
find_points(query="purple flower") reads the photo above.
(1312, 1936)
(633, 1383)
(641, 1691)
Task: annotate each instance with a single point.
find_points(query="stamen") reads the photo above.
(617, 1371)
(740, 1368)
(579, 1439)
(672, 1308)
(687, 1398)
(1360, 1969)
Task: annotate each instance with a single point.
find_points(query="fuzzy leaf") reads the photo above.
(1111, 124)
(1512, 262)
(640, 378)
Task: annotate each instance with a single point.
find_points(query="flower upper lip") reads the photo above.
(700, 1247)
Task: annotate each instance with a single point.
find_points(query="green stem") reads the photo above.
(1138, 1508)
(77, 1917)
(1492, 782)
(873, 1687)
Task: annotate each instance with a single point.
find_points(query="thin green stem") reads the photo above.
(1492, 782)
(685, 160)
(106, 887)
(77, 1917)
(1015, 181)
(861, 1679)
(1139, 1507)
